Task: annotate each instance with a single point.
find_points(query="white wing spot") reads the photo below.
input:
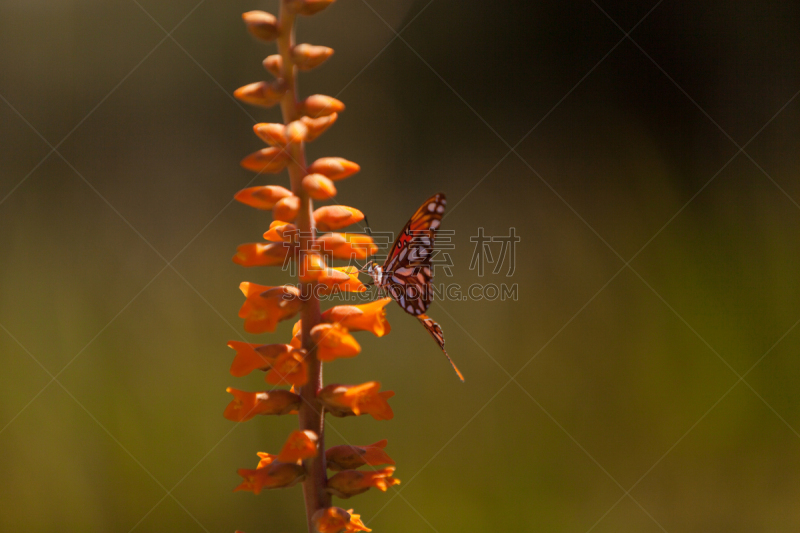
(403, 271)
(434, 224)
(440, 209)
(410, 308)
(432, 207)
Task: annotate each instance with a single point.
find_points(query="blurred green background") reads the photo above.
(626, 411)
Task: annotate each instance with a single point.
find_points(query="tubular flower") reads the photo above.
(348, 483)
(351, 457)
(365, 317)
(264, 197)
(317, 126)
(264, 254)
(274, 475)
(280, 231)
(334, 342)
(347, 245)
(251, 357)
(345, 400)
(337, 520)
(246, 405)
(340, 279)
(265, 306)
(333, 217)
(299, 446)
(290, 368)
(262, 94)
(335, 168)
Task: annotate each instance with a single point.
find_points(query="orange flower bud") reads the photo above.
(263, 26)
(273, 476)
(270, 133)
(263, 254)
(270, 160)
(334, 342)
(265, 306)
(364, 317)
(348, 483)
(351, 457)
(296, 132)
(335, 168)
(319, 187)
(311, 267)
(286, 208)
(307, 7)
(346, 400)
(251, 357)
(246, 405)
(263, 197)
(319, 105)
(333, 217)
(330, 520)
(347, 245)
(274, 65)
(289, 368)
(261, 93)
(317, 126)
(307, 56)
(280, 231)
(299, 446)
(340, 279)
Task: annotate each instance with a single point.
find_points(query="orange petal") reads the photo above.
(274, 65)
(344, 400)
(270, 133)
(317, 126)
(351, 457)
(246, 405)
(333, 217)
(267, 160)
(265, 306)
(261, 93)
(263, 254)
(290, 368)
(319, 187)
(334, 342)
(299, 446)
(263, 26)
(348, 483)
(307, 56)
(286, 208)
(319, 105)
(334, 280)
(330, 520)
(263, 197)
(364, 317)
(280, 231)
(251, 357)
(335, 168)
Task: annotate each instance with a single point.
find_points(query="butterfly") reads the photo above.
(407, 274)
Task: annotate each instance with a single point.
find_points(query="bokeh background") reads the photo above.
(644, 380)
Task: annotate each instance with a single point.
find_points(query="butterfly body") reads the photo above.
(407, 274)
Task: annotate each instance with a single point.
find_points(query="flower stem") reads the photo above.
(311, 412)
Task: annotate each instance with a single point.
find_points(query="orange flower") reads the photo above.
(300, 445)
(334, 342)
(340, 279)
(264, 254)
(312, 266)
(335, 168)
(333, 217)
(320, 105)
(280, 231)
(351, 457)
(344, 400)
(251, 357)
(348, 483)
(330, 520)
(290, 368)
(337, 520)
(266, 306)
(347, 245)
(364, 317)
(319, 187)
(246, 405)
(273, 476)
(263, 197)
(355, 523)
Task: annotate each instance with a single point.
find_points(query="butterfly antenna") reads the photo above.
(366, 226)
